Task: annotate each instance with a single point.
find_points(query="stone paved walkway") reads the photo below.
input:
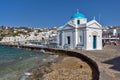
(108, 61)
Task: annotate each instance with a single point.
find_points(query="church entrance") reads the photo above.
(94, 42)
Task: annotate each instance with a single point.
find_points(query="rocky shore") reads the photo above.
(65, 68)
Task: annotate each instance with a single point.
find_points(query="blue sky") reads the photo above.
(50, 13)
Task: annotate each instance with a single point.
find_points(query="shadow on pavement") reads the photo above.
(115, 62)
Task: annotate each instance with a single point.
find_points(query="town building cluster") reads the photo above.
(34, 36)
(111, 35)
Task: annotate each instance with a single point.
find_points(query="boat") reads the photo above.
(42, 50)
(27, 74)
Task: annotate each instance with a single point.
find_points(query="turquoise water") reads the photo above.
(15, 61)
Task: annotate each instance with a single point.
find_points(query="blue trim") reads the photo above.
(94, 42)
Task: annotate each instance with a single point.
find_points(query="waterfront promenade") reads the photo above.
(108, 61)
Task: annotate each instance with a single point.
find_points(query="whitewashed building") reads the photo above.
(77, 32)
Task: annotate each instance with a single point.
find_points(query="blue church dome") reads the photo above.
(78, 15)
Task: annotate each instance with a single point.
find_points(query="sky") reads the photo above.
(51, 13)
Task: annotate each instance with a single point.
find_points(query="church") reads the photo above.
(80, 33)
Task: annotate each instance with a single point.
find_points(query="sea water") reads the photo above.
(15, 61)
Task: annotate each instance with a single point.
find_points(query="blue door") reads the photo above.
(94, 42)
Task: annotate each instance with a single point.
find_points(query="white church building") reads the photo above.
(78, 33)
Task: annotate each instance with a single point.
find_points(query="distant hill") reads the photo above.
(15, 31)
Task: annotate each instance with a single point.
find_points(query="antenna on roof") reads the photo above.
(94, 18)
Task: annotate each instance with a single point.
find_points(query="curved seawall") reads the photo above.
(90, 62)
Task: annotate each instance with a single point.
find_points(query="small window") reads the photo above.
(78, 21)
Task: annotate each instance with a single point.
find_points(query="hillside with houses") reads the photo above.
(23, 35)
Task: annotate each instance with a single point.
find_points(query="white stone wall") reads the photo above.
(82, 21)
(81, 33)
(71, 34)
(59, 38)
(89, 40)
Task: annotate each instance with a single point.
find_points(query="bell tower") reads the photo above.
(78, 18)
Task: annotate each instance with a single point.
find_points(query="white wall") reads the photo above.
(71, 34)
(82, 21)
(89, 40)
(81, 33)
